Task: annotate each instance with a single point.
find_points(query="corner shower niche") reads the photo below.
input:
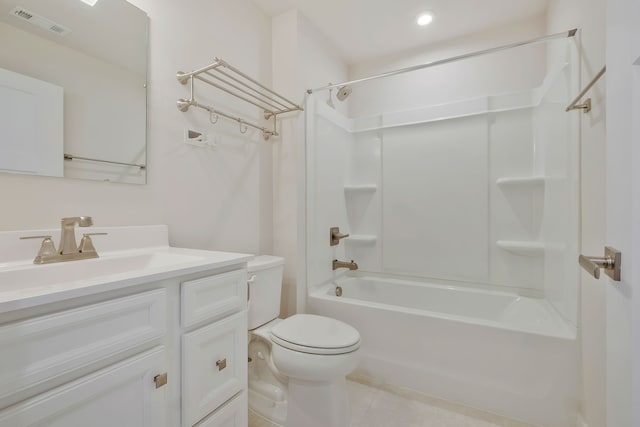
(528, 187)
(363, 199)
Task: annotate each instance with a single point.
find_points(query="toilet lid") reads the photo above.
(313, 334)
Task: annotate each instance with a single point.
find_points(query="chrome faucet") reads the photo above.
(343, 264)
(68, 243)
(68, 250)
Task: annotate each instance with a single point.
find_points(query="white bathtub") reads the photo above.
(492, 350)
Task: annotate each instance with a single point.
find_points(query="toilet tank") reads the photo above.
(265, 286)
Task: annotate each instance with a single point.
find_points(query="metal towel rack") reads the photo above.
(223, 76)
(586, 105)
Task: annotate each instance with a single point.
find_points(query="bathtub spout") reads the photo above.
(343, 264)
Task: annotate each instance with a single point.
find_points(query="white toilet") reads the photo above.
(297, 365)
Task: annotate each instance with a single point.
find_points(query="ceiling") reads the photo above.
(114, 31)
(366, 29)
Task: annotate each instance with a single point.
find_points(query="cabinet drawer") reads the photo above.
(213, 297)
(122, 395)
(51, 347)
(234, 413)
(214, 366)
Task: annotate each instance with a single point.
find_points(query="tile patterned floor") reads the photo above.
(389, 407)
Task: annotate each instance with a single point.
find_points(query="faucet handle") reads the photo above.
(47, 249)
(34, 237)
(86, 244)
(336, 236)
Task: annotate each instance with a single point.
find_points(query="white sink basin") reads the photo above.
(16, 277)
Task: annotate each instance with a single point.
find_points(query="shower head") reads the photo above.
(343, 92)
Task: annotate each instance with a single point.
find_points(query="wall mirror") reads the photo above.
(73, 89)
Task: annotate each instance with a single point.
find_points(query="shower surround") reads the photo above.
(463, 220)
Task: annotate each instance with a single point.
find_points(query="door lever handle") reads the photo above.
(611, 263)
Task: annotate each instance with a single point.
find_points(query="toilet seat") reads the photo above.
(312, 334)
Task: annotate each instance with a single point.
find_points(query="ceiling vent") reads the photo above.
(40, 21)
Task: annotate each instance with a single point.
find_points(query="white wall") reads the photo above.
(622, 56)
(302, 59)
(216, 199)
(589, 17)
(492, 74)
(634, 33)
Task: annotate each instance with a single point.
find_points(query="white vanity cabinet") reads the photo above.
(93, 364)
(122, 395)
(168, 352)
(214, 350)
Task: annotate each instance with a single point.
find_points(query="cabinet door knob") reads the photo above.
(221, 364)
(160, 380)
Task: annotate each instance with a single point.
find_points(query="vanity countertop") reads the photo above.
(24, 284)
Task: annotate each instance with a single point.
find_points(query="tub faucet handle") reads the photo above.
(336, 236)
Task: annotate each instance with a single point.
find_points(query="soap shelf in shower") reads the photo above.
(361, 188)
(226, 78)
(362, 239)
(521, 181)
(522, 247)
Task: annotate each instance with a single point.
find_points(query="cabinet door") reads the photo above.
(44, 352)
(234, 413)
(214, 366)
(123, 395)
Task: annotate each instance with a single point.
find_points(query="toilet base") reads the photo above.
(318, 404)
(267, 388)
(267, 407)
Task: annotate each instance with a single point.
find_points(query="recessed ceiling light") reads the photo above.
(90, 2)
(424, 19)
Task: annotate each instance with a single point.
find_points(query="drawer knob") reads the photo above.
(221, 364)
(160, 380)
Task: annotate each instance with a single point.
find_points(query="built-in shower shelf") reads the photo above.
(361, 188)
(362, 239)
(522, 247)
(521, 181)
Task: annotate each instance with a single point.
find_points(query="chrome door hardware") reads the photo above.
(335, 236)
(221, 364)
(611, 263)
(160, 380)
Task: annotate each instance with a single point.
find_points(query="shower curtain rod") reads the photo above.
(564, 34)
